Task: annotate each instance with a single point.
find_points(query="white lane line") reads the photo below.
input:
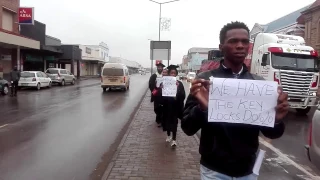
(285, 157)
(4, 126)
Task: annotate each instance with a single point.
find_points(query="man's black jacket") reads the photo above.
(227, 148)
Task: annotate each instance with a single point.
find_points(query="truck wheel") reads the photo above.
(104, 89)
(303, 111)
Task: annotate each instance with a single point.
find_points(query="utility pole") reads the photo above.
(160, 4)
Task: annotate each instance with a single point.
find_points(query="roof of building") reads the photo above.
(128, 63)
(200, 50)
(314, 5)
(284, 21)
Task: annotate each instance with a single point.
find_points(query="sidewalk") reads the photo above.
(144, 154)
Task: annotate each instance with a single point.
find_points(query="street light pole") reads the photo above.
(160, 4)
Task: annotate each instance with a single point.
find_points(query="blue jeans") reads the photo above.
(207, 174)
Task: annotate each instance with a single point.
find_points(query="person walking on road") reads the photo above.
(173, 109)
(228, 151)
(14, 77)
(157, 94)
(152, 86)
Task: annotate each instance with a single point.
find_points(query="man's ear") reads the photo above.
(221, 48)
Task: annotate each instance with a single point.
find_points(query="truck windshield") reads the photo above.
(292, 61)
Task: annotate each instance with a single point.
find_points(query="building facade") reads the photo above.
(311, 18)
(11, 42)
(93, 58)
(195, 56)
(48, 54)
(290, 24)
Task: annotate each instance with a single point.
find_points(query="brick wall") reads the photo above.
(314, 19)
(12, 5)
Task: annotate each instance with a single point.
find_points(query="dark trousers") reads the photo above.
(174, 135)
(14, 87)
(158, 110)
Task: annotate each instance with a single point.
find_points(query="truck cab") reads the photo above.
(287, 60)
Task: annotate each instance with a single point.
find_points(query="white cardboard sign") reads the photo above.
(242, 101)
(169, 86)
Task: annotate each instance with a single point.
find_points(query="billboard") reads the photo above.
(26, 15)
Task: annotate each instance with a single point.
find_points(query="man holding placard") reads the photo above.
(152, 86)
(231, 106)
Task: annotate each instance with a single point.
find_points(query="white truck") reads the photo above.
(287, 60)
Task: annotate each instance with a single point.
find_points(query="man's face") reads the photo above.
(236, 45)
(159, 69)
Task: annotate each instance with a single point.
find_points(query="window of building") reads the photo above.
(308, 30)
(318, 31)
(7, 20)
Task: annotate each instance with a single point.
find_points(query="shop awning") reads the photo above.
(11, 38)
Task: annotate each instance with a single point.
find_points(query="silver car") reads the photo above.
(313, 146)
(61, 76)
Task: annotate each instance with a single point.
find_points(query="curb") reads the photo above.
(115, 155)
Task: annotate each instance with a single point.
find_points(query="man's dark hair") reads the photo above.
(230, 26)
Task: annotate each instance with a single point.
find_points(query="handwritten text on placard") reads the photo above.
(169, 86)
(242, 101)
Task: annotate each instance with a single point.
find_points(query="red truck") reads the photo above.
(214, 57)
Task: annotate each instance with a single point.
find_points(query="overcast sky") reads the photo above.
(126, 25)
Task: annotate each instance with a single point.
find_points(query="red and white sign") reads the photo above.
(26, 15)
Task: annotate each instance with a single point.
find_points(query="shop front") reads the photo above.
(10, 45)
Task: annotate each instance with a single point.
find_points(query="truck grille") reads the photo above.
(296, 84)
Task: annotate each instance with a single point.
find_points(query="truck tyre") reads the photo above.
(303, 111)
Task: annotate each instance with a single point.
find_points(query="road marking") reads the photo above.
(286, 158)
(4, 126)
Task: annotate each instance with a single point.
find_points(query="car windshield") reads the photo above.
(52, 71)
(292, 61)
(113, 72)
(27, 74)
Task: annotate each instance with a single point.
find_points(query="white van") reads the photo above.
(115, 76)
(191, 76)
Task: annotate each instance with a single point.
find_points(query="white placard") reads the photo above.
(169, 86)
(242, 101)
(258, 163)
(159, 81)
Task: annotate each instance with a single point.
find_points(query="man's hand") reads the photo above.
(283, 105)
(200, 90)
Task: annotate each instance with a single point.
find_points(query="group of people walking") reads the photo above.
(228, 150)
(168, 109)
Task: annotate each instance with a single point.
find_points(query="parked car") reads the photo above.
(61, 76)
(115, 76)
(35, 79)
(191, 76)
(313, 146)
(4, 86)
(182, 76)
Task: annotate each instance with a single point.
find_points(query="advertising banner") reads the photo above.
(26, 15)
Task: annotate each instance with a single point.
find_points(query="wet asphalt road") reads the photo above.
(63, 132)
(285, 159)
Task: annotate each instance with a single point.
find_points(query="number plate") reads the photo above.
(113, 80)
(24, 84)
